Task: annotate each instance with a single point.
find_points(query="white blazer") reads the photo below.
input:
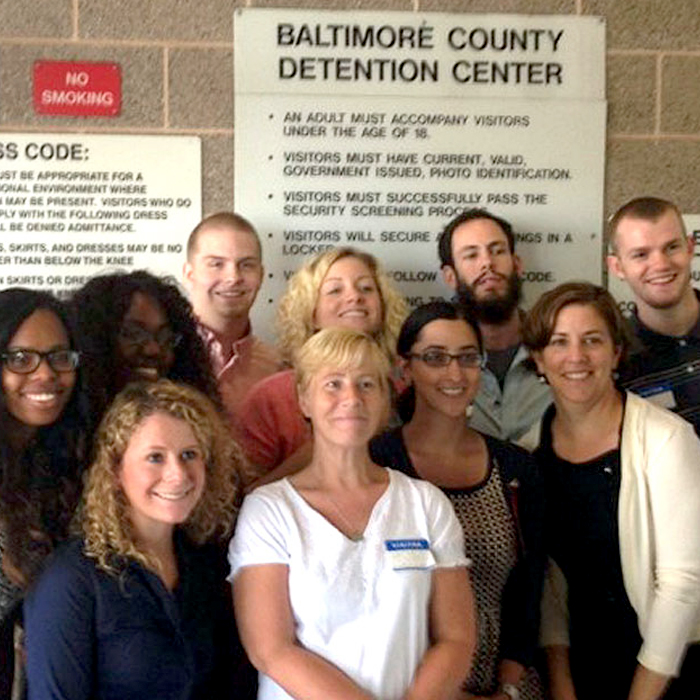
(659, 524)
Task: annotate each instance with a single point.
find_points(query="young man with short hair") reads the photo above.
(223, 274)
(651, 251)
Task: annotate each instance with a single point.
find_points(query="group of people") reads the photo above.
(394, 542)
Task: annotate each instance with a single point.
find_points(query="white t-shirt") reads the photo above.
(362, 605)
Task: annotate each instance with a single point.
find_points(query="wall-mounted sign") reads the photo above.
(72, 89)
(75, 205)
(374, 129)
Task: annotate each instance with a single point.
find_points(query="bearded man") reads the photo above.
(479, 263)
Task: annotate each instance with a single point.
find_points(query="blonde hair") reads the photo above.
(340, 348)
(104, 518)
(295, 316)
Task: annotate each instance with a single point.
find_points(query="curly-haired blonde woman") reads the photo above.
(136, 609)
(340, 288)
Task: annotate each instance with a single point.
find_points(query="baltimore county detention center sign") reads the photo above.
(374, 129)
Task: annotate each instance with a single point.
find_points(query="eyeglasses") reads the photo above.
(26, 361)
(133, 334)
(440, 358)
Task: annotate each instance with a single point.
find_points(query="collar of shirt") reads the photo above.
(221, 357)
(650, 336)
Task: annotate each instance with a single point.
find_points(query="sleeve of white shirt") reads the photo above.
(674, 493)
(447, 537)
(554, 625)
(261, 533)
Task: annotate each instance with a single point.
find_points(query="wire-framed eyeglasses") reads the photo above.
(442, 358)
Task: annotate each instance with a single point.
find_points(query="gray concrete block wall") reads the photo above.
(176, 59)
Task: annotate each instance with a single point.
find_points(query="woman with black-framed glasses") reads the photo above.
(493, 486)
(135, 326)
(43, 446)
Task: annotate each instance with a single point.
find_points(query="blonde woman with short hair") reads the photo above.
(349, 579)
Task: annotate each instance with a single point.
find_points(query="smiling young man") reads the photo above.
(223, 274)
(651, 251)
(478, 260)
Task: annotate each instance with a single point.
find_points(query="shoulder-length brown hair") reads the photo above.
(542, 317)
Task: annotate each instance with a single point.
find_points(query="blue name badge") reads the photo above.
(409, 554)
(661, 395)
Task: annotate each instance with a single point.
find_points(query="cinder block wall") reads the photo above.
(176, 58)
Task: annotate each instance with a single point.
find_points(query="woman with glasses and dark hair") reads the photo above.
(494, 488)
(42, 446)
(135, 326)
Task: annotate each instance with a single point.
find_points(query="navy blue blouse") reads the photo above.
(94, 635)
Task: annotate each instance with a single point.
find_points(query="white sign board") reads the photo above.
(621, 291)
(74, 205)
(374, 129)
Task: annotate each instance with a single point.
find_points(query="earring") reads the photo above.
(542, 379)
(469, 411)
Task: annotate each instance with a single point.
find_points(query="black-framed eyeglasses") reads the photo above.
(26, 360)
(441, 358)
(133, 334)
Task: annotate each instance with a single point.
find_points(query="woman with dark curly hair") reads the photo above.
(135, 326)
(42, 445)
(138, 607)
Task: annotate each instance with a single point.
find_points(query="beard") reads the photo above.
(495, 309)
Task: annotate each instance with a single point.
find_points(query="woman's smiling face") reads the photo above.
(162, 473)
(451, 388)
(580, 358)
(39, 397)
(349, 297)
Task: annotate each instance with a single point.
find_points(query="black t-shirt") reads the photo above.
(583, 539)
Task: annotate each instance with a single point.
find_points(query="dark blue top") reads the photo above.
(95, 635)
(665, 369)
(583, 539)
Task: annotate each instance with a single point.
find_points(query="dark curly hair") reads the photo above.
(39, 480)
(101, 304)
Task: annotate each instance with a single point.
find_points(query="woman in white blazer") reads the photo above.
(623, 514)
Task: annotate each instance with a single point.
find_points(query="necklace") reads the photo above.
(352, 533)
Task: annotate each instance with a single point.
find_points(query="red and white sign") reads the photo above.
(74, 89)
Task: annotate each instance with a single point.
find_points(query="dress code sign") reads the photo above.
(76, 205)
